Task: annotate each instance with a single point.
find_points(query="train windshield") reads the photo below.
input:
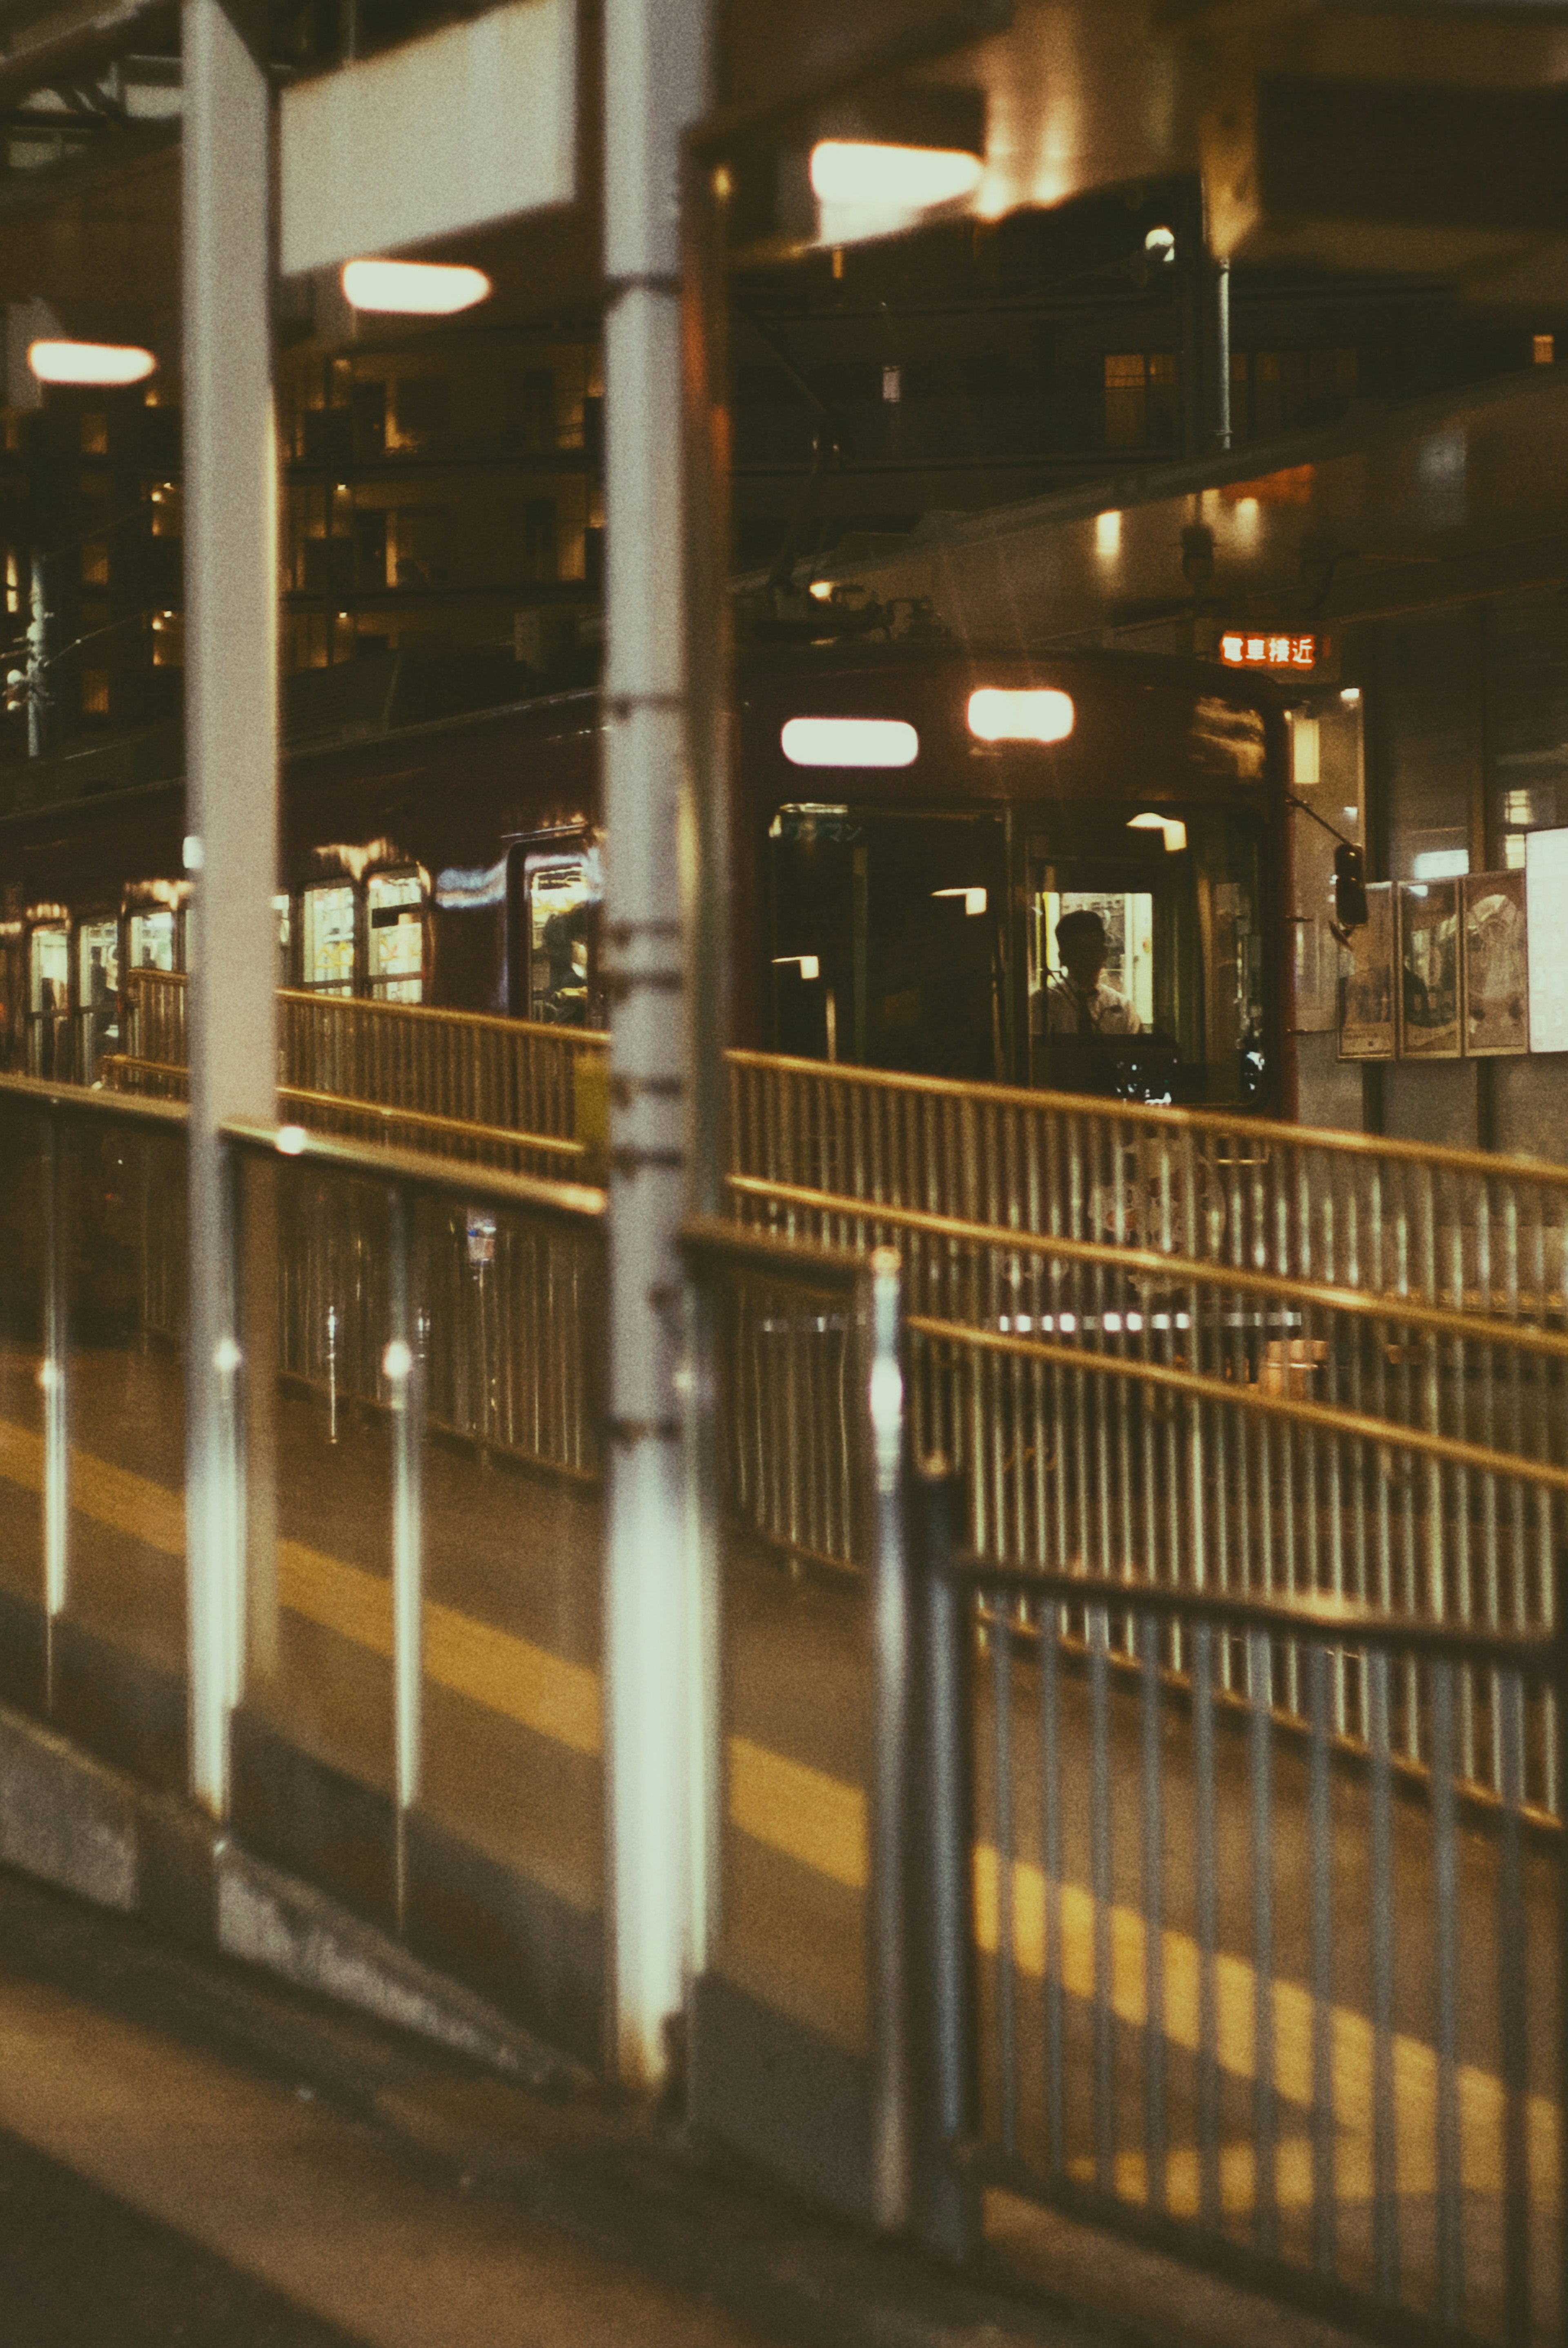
(888, 945)
(1145, 953)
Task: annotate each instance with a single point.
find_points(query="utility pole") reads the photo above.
(656, 74)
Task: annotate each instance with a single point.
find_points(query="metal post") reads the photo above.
(1221, 350)
(52, 1371)
(38, 661)
(887, 1917)
(951, 2221)
(654, 75)
(709, 998)
(401, 1368)
(231, 704)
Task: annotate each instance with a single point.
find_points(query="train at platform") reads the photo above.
(914, 822)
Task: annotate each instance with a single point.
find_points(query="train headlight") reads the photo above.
(1000, 714)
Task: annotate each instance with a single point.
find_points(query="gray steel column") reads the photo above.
(654, 75)
(230, 720)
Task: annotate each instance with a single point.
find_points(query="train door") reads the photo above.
(395, 938)
(48, 1000)
(12, 996)
(888, 942)
(329, 935)
(558, 889)
(97, 996)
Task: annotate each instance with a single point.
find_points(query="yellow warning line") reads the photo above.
(821, 1822)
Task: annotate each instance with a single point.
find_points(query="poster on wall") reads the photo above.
(1430, 970)
(1367, 1030)
(1496, 964)
(1546, 904)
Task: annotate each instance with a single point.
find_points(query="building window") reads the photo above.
(533, 409)
(1290, 390)
(1139, 398)
(95, 563)
(1543, 348)
(94, 434)
(423, 408)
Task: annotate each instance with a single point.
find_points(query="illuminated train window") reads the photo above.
(152, 939)
(98, 997)
(395, 901)
(329, 924)
(560, 937)
(48, 1001)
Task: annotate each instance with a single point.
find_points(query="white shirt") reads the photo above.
(1109, 1013)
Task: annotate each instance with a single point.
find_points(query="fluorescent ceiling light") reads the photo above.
(102, 363)
(850, 742)
(422, 288)
(1107, 533)
(999, 715)
(868, 176)
(1174, 830)
(810, 965)
(974, 899)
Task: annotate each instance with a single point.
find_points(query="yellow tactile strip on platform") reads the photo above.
(821, 1823)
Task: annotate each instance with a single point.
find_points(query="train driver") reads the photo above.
(1074, 1001)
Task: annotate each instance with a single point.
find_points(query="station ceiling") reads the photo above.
(1429, 138)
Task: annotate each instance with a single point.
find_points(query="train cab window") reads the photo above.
(48, 1001)
(330, 920)
(97, 995)
(561, 903)
(888, 943)
(1145, 954)
(152, 939)
(395, 902)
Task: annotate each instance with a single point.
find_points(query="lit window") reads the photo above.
(328, 938)
(1442, 863)
(397, 940)
(1544, 349)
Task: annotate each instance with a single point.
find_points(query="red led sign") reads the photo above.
(1243, 649)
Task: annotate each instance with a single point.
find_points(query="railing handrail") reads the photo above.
(421, 1170)
(1178, 1271)
(1329, 1418)
(595, 1038)
(96, 1099)
(1318, 1617)
(1234, 1125)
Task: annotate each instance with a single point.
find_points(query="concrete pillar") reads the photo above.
(655, 60)
(231, 789)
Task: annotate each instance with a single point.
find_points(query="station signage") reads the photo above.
(1256, 648)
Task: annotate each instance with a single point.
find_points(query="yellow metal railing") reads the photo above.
(507, 1093)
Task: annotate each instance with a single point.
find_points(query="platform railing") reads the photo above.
(1156, 1992)
(513, 1094)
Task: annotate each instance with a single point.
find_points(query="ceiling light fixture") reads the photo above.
(92, 363)
(1174, 830)
(415, 289)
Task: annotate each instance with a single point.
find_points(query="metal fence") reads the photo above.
(1179, 1350)
(508, 1093)
(1190, 1969)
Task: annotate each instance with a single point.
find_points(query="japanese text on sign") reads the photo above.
(1240, 649)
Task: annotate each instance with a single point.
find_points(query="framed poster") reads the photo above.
(1366, 1029)
(1496, 964)
(1428, 944)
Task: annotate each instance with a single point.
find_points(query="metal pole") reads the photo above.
(655, 61)
(887, 1917)
(709, 998)
(1222, 346)
(946, 1834)
(38, 661)
(231, 723)
(52, 1373)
